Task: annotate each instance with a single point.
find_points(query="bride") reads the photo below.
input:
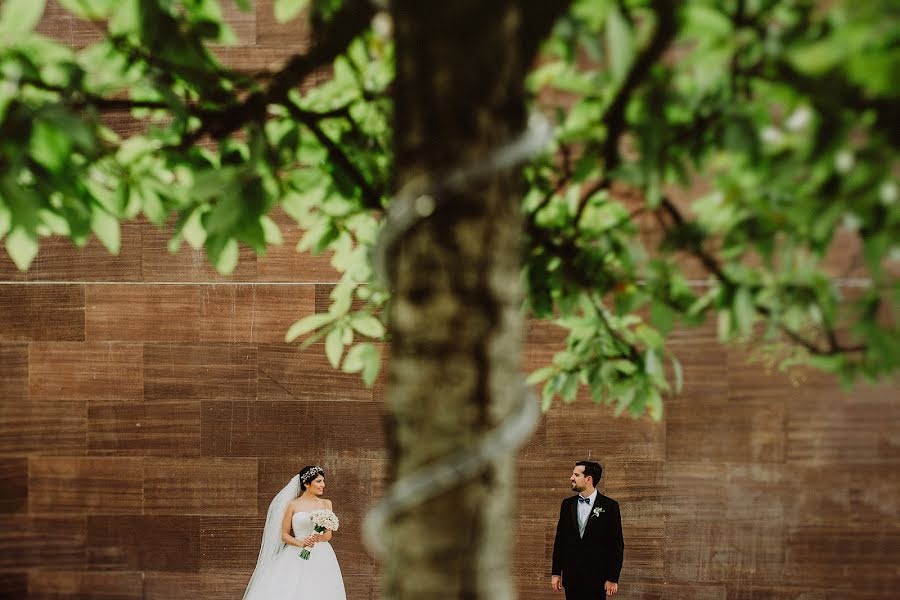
(281, 572)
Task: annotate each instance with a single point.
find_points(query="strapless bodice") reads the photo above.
(301, 524)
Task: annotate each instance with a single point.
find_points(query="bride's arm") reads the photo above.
(286, 536)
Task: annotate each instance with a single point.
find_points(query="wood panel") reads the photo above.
(826, 425)
(85, 371)
(215, 584)
(143, 543)
(144, 429)
(75, 585)
(175, 371)
(85, 485)
(265, 428)
(59, 260)
(288, 373)
(284, 263)
(13, 485)
(194, 313)
(585, 429)
(41, 312)
(230, 543)
(819, 556)
(188, 264)
(14, 586)
(30, 542)
(200, 486)
(13, 372)
(43, 428)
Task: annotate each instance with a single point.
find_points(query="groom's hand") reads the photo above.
(611, 588)
(556, 583)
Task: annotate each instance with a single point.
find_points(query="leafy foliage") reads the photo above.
(785, 108)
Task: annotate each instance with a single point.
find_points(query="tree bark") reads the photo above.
(455, 317)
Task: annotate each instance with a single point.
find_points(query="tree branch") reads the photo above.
(353, 18)
(713, 266)
(614, 116)
(370, 196)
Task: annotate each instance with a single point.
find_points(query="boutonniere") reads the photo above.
(598, 510)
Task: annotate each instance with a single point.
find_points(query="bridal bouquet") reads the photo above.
(322, 519)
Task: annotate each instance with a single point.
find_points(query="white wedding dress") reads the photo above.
(289, 577)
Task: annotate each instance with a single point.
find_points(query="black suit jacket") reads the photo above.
(590, 561)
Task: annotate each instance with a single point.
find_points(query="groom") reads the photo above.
(588, 550)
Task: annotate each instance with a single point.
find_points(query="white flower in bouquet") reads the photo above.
(322, 519)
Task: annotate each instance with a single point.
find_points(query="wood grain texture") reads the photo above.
(143, 543)
(75, 585)
(32, 542)
(212, 584)
(13, 372)
(315, 428)
(41, 312)
(86, 371)
(14, 586)
(144, 429)
(188, 264)
(194, 313)
(229, 543)
(59, 260)
(177, 371)
(13, 485)
(200, 486)
(288, 373)
(284, 263)
(85, 486)
(43, 428)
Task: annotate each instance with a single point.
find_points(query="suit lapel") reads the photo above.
(574, 512)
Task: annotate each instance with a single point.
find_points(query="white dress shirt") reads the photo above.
(584, 511)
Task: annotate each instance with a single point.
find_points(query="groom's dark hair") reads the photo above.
(592, 470)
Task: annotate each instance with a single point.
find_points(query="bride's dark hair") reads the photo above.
(308, 474)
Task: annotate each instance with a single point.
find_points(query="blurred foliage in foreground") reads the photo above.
(786, 109)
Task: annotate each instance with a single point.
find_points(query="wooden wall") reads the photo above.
(149, 411)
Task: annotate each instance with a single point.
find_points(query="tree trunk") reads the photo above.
(455, 316)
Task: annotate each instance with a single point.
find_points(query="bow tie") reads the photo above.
(583, 499)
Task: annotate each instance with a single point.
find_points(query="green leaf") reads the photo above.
(569, 387)
(540, 375)
(679, 375)
(744, 311)
(306, 325)
(286, 10)
(341, 297)
(624, 398)
(50, 146)
(223, 253)
(620, 43)
(653, 367)
(662, 316)
(22, 247)
(271, 232)
(649, 336)
(93, 10)
(106, 228)
(367, 325)
(654, 404)
(334, 346)
(372, 367)
(363, 357)
(19, 17)
(244, 5)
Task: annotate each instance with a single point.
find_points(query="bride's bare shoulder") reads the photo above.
(326, 503)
